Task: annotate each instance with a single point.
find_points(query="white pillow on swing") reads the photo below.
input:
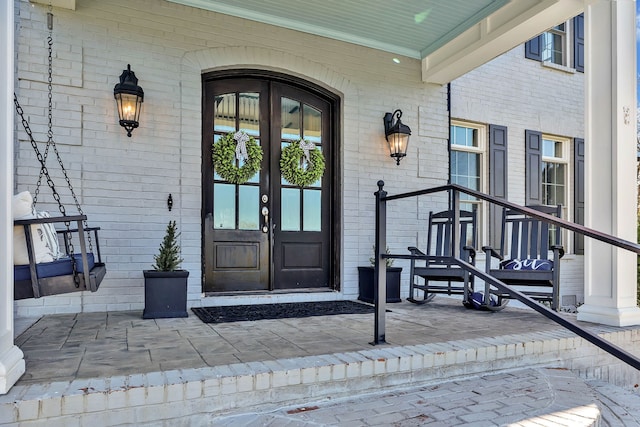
(44, 237)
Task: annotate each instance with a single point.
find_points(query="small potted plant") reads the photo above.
(165, 287)
(366, 276)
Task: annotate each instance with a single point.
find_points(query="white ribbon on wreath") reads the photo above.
(307, 147)
(241, 148)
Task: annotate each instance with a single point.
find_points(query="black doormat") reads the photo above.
(239, 313)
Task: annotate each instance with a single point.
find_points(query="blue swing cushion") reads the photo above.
(60, 267)
(527, 264)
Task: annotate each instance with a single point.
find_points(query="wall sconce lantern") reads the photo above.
(129, 97)
(397, 135)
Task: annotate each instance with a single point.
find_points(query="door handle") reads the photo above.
(265, 216)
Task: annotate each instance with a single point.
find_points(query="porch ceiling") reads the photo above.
(450, 38)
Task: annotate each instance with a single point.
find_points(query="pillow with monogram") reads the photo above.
(527, 264)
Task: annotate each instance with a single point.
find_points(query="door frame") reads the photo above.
(335, 208)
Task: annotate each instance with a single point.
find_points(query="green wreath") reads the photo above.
(292, 167)
(224, 158)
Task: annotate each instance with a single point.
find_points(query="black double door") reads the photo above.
(265, 234)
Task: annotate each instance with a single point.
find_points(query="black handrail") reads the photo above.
(454, 190)
(586, 231)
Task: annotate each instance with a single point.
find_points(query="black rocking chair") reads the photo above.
(440, 269)
(529, 263)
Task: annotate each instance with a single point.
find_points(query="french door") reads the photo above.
(266, 234)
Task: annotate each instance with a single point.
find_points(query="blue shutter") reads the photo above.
(533, 48)
(498, 162)
(533, 167)
(578, 43)
(578, 195)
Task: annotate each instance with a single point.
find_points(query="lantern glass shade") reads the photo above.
(397, 135)
(129, 107)
(129, 97)
(398, 143)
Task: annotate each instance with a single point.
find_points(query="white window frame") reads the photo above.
(564, 159)
(480, 149)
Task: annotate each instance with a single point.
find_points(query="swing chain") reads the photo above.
(43, 166)
(49, 115)
(56, 196)
(50, 140)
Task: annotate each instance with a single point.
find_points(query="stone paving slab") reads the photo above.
(116, 343)
(528, 397)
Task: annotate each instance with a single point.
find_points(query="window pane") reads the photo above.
(467, 169)
(224, 202)
(290, 112)
(553, 183)
(552, 148)
(463, 136)
(312, 210)
(290, 209)
(249, 113)
(224, 118)
(248, 209)
(553, 47)
(312, 125)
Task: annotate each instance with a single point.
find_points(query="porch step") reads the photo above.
(477, 380)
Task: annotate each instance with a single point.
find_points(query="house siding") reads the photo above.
(123, 183)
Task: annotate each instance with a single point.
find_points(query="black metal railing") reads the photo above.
(454, 199)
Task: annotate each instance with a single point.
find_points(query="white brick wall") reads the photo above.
(521, 94)
(123, 183)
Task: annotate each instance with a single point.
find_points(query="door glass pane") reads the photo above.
(283, 145)
(256, 177)
(249, 113)
(224, 118)
(312, 210)
(224, 199)
(290, 112)
(290, 209)
(248, 209)
(312, 125)
(318, 183)
(215, 175)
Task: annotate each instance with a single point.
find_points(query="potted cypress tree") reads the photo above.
(165, 287)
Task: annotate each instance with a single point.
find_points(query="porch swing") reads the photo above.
(52, 268)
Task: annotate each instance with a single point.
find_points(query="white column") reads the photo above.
(610, 161)
(11, 357)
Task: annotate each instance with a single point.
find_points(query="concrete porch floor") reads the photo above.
(233, 367)
(66, 347)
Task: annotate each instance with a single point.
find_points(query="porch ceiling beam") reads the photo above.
(63, 4)
(510, 26)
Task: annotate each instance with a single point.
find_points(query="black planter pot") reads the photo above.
(165, 294)
(365, 284)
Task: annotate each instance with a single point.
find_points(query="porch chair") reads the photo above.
(458, 281)
(530, 263)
